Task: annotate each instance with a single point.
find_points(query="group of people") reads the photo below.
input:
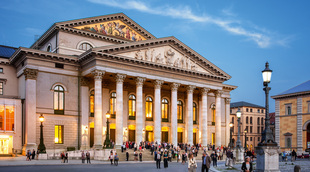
(114, 157)
(85, 156)
(31, 155)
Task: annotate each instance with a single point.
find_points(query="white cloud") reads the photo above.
(262, 38)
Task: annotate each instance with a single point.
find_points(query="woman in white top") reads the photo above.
(192, 164)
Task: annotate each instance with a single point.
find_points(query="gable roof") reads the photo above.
(207, 65)
(6, 51)
(303, 88)
(244, 104)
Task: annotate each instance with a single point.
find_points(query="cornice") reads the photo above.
(291, 95)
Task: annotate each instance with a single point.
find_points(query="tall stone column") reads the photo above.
(85, 113)
(139, 109)
(218, 119)
(98, 109)
(189, 121)
(157, 110)
(204, 116)
(227, 121)
(30, 109)
(174, 113)
(119, 109)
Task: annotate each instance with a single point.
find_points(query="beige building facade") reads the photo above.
(156, 89)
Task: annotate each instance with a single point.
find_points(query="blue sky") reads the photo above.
(237, 36)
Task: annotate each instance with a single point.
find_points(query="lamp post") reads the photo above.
(238, 143)
(267, 150)
(230, 142)
(41, 146)
(107, 142)
(245, 145)
(238, 150)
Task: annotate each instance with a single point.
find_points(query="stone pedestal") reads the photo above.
(239, 154)
(267, 158)
(42, 156)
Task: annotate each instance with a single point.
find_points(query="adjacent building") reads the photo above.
(156, 89)
(251, 123)
(292, 118)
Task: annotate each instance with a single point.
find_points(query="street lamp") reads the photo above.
(107, 142)
(230, 142)
(238, 143)
(245, 146)
(267, 136)
(41, 146)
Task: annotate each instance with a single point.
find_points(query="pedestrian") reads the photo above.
(62, 157)
(169, 156)
(206, 162)
(192, 164)
(38, 154)
(183, 158)
(127, 155)
(116, 159)
(83, 157)
(111, 158)
(28, 154)
(247, 165)
(158, 159)
(214, 158)
(87, 157)
(66, 157)
(294, 154)
(33, 154)
(165, 160)
(140, 156)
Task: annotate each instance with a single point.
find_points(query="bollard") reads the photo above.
(297, 168)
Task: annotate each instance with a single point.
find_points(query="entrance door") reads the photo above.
(194, 138)
(164, 136)
(4, 146)
(149, 136)
(91, 138)
(213, 138)
(112, 135)
(180, 137)
(132, 135)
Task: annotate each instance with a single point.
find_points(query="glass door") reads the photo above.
(4, 146)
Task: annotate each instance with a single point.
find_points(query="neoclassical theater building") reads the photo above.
(156, 89)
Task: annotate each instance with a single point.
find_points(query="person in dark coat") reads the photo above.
(165, 160)
(87, 157)
(294, 155)
(206, 162)
(214, 159)
(247, 166)
(33, 154)
(158, 159)
(127, 155)
(140, 156)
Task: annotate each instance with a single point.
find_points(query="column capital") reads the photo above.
(120, 78)
(190, 89)
(158, 83)
(140, 81)
(227, 100)
(98, 74)
(31, 73)
(84, 81)
(204, 91)
(218, 93)
(174, 86)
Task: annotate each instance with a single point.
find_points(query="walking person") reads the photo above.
(83, 157)
(229, 158)
(87, 157)
(294, 155)
(158, 159)
(66, 157)
(33, 154)
(116, 159)
(127, 155)
(206, 162)
(140, 156)
(28, 155)
(192, 164)
(247, 166)
(165, 160)
(214, 159)
(111, 158)
(169, 156)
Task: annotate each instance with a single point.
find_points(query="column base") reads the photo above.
(29, 146)
(239, 154)
(267, 158)
(97, 147)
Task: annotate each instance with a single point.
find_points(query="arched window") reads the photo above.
(180, 111)
(247, 120)
(85, 46)
(213, 113)
(49, 48)
(132, 107)
(195, 113)
(262, 121)
(149, 109)
(164, 110)
(258, 120)
(113, 104)
(92, 103)
(59, 99)
(251, 120)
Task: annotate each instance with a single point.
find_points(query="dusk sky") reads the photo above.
(237, 36)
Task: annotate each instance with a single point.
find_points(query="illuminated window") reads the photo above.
(113, 105)
(164, 110)
(149, 109)
(59, 97)
(132, 107)
(9, 118)
(1, 88)
(92, 103)
(213, 113)
(180, 112)
(2, 117)
(59, 134)
(85, 46)
(194, 113)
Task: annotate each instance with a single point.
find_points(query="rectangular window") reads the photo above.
(247, 110)
(309, 107)
(1, 88)
(9, 118)
(257, 129)
(251, 129)
(247, 128)
(258, 111)
(59, 133)
(288, 109)
(1, 70)
(1, 117)
(262, 111)
(258, 139)
(59, 65)
(250, 138)
(251, 110)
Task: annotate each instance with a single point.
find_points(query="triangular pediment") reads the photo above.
(167, 52)
(117, 26)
